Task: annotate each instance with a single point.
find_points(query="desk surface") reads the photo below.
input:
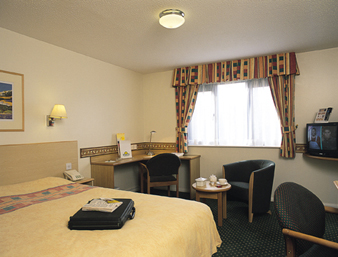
(137, 158)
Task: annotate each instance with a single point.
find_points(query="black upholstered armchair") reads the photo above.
(251, 182)
(301, 215)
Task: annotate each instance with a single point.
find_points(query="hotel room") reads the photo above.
(117, 85)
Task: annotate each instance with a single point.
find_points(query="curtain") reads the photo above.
(204, 127)
(282, 90)
(185, 104)
(264, 122)
(270, 66)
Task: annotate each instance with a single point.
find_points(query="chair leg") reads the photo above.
(290, 246)
(251, 197)
(177, 191)
(250, 217)
(168, 190)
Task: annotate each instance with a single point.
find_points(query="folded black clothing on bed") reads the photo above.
(93, 220)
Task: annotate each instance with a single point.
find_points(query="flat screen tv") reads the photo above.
(322, 139)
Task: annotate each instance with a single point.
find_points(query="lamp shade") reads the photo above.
(59, 112)
(172, 18)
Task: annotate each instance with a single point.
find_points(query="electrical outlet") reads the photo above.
(68, 166)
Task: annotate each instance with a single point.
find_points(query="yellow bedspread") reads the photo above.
(162, 226)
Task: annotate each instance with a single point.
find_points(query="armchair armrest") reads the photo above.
(290, 244)
(331, 209)
(263, 179)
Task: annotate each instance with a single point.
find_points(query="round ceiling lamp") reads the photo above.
(172, 18)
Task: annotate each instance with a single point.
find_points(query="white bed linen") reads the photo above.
(162, 226)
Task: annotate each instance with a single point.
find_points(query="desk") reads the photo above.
(103, 172)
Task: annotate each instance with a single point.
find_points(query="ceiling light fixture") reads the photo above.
(172, 18)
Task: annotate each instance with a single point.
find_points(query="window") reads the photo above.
(235, 114)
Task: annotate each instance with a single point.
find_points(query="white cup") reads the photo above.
(222, 181)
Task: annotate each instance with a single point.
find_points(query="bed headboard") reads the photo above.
(25, 162)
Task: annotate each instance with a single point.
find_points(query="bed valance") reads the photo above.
(243, 69)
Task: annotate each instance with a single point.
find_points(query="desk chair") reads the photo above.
(160, 170)
(251, 182)
(301, 216)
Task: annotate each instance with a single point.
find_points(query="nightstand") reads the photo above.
(86, 181)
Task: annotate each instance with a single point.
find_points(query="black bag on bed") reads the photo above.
(91, 220)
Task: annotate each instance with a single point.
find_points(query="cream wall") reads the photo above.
(316, 87)
(159, 107)
(101, 99)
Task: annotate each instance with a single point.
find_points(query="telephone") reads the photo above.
(73, 175)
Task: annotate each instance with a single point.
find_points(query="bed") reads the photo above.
(34, 217)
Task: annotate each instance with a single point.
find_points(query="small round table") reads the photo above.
(213, 192)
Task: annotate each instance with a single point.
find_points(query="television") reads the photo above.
(322, 139)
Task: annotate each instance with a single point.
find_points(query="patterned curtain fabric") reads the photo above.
(272, 66)
(283, 92)
(185, 104)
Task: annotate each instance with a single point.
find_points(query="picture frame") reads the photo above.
(11, 101)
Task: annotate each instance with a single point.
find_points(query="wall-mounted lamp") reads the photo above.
(172, 18)
(149, 152)
(58, 113)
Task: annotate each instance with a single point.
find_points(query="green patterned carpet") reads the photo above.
(262, 237)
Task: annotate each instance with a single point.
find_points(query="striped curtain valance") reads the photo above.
(243, 69)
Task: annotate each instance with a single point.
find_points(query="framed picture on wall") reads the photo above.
(11, 101)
